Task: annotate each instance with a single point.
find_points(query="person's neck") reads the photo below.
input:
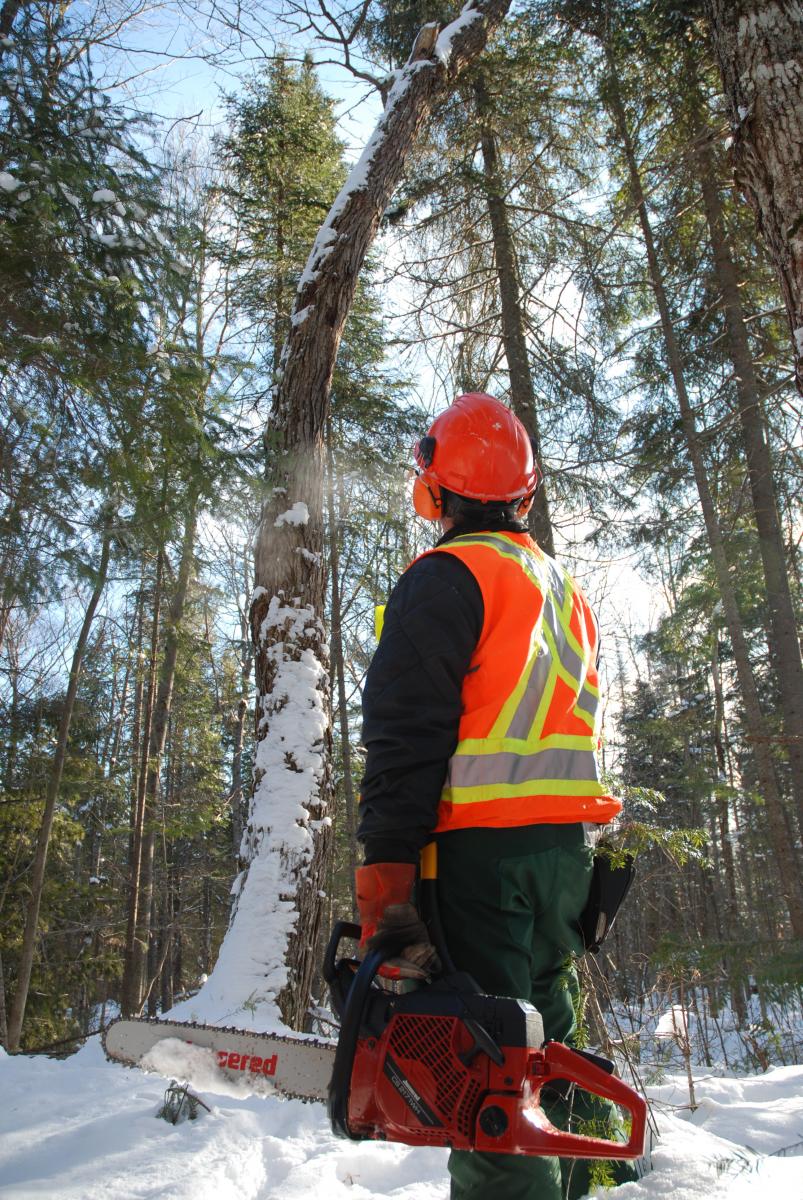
(452, 530)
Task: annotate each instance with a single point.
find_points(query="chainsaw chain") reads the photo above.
(318, 1043)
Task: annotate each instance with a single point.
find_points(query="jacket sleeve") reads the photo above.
(412, 704)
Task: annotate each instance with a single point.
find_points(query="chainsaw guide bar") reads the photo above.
(298, 1068)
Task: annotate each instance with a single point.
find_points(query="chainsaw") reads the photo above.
(443, 1065)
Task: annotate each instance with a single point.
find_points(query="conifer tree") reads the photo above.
(78, 243)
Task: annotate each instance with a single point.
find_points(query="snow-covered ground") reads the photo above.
(85, 1129)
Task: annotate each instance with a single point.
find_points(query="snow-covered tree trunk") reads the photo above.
(267, 958)
(759, 46)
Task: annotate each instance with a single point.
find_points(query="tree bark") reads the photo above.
(522, 390)
(289, 600)
(25, 966)
(759, 47)
(156, 744)
(131, 984)
(776, 817)
(340, 674)
(784, 643)
(3, 1014)
(237, 795)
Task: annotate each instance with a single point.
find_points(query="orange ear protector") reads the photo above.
(426, 499)
(426, 495)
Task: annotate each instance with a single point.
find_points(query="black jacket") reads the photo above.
(412, 702)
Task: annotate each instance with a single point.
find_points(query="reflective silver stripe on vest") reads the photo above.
(475, 770)
(523, 717)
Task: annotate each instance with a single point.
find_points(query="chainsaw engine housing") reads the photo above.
(449, 1066)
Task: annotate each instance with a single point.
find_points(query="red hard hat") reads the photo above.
(479, 449)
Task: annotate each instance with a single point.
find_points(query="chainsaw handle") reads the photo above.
(337, 1103)
(341, 929)
(536, 1133)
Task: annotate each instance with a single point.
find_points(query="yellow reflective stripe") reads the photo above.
(513, 791)
(379, 619)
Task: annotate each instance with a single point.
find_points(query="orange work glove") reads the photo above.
(391, 923)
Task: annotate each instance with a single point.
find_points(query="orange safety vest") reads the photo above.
(529, 730)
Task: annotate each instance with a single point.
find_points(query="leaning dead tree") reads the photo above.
(270, 944)
(759, 46)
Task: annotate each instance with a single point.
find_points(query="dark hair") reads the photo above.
(481, 514)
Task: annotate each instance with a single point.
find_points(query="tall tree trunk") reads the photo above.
(156, 743)
(723, 820)
(783, 643)
(131, 983)
(27, 952)
(206, 925)
(237, 792)
(153, 961)
(759, 47)
(339, 671)
(289, 829)
(776, 817)
(731, 933)
(107, 759)
(177, 956)
(12, 719)
(522, 390)
(3, 1011)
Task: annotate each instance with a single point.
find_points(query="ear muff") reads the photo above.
(525, 505)
(426, 499)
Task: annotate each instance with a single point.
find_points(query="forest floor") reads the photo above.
(85, 1129)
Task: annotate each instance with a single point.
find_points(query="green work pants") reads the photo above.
(509, 901)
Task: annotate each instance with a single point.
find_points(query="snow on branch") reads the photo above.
(327, 284)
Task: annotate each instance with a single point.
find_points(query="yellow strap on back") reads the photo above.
(379, 620)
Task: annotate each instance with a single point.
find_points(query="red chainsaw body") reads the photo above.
(424, 1083)
(448, 1065)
